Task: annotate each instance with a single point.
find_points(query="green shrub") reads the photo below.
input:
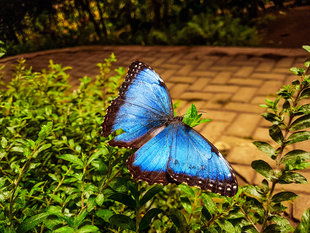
(58, 174)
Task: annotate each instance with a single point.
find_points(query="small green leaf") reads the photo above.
(56, 198)
(225, 225)
(276, 134)
(206, 213)
(100, 199)
(304, 225)
(263, 168)
(292, 177)
(294, 155)
(105, 214)
(266, 148)
(88, 228)
(306, 47)
(32, 222)
(283, 223)
(305, 109)
(284, 196)
(42, 148)
(187, 205)
(271, 117)
(72, 158)
(150, 194)
(305, 94)
(187, 189)
(301, 123)
(4, 142)
(123, 222)
(298, 137)
(125, 199)
(147, 218)
(209, 203)
(102, 151)
(64, 229)
(178, 219)
(297, 71)
(192, 119)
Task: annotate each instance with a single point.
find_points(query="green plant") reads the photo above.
(290, 117)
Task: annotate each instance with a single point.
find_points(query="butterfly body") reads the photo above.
(168, 149)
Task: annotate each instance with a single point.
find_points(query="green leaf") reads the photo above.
(32, 222)
(263, 168)
(294, 156)
(123, 222)
(266, 148)
(209, 203)
(304, 225)
(276, 134)
(253, 191)
(65, 229)
(305, 93)
(42, 148)
(301, 123)
(187, 205)
(88, 228)
(292, 177)
(150, 194)
(305, 109)
(102, 151)
(72, 158)
(225, 225)
(191, 117)
(298, 137)
(56, 198)
(306, 47)
(271, 117)
(178, 219)
(125, 199)
(284, 196)
(283, 223)
(147, 218)
(297, 71)
(206, 213)
(187, 189)
(100, 199)
(4, 142)
(105, 214)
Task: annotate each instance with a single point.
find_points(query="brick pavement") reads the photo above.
(226, 83)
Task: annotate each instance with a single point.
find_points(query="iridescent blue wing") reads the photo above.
(181, 153)
(143, 106)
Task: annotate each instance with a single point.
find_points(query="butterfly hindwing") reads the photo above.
(195, 161)
(143, 106)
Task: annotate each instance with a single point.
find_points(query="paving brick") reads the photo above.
(243, 107)
(285, 62)
(244, 125)
(269, 87)
(185, 69)
(220, 115)
(218, 101)
(221, 77)
(205, 65)
(244, 94)
(166, 74)
(183, 79)
(170, 66)
(245, 171)
(244, 71)
(224, 68)
(199, 84)
(214, 130)
(301, 204)
(245, 82)
(177, 90)
(195, 96)
(245, 154)
(203, 73)
(268, 76)
(221, 88)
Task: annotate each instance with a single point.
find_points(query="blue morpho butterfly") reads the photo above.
(168, 150)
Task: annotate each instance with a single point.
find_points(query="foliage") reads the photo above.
(58, 174)
(36, 25)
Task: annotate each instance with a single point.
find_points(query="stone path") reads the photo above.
(227, 84)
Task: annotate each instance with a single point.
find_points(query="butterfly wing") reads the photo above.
(195, 161)
(181, 153)
(142, 107)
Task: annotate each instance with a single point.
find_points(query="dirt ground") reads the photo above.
(289, 28)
